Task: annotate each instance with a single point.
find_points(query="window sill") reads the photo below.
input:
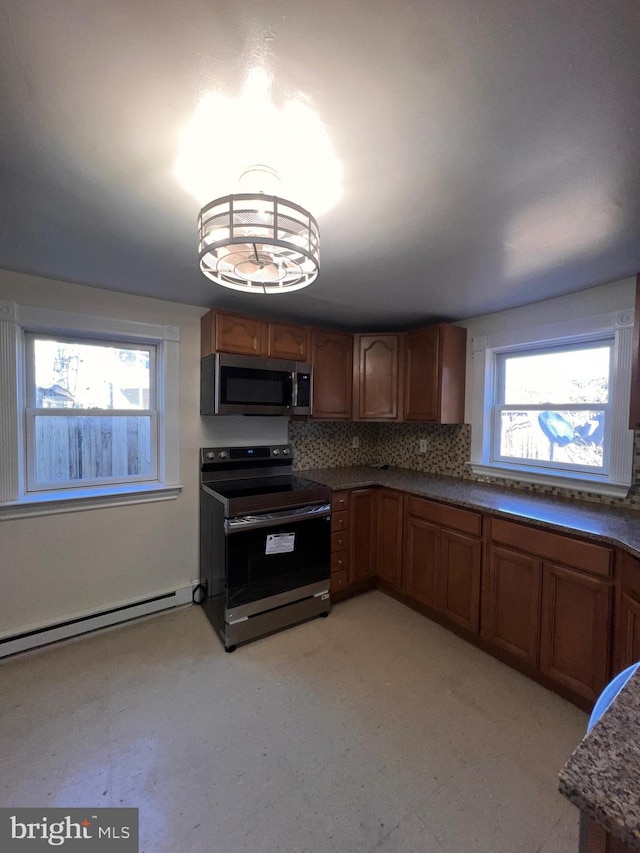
(78, 500)
(564, 481)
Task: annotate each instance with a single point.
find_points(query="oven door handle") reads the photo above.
(273, 519)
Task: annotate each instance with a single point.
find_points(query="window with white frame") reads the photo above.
(551, 405)
(89, 411)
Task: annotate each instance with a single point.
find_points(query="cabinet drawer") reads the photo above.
(339, 521)
(340, 561)
(444, 515)
(339, 501)
(339, 581)
(340, 540)
(554, 546)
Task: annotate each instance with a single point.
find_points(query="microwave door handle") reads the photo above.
(293, 390)
(273, 519)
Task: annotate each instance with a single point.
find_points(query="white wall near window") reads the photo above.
(589, 312)
(58, 567)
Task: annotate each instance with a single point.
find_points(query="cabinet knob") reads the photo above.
(339, 562)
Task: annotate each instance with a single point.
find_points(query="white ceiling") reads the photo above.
(490, 148)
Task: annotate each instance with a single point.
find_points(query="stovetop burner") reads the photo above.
(257, 479)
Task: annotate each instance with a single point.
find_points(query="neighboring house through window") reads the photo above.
(551, 404)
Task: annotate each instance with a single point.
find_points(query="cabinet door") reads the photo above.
(241, 335)
(332, 375)
(627, 611)
(286, 341)
(420, 578)
(628, 630)
(421, 375)
(389, 537)
(511, 603)
(460, 557)
(574, 646)
(434, 370)
(361, 534)
(376, 377)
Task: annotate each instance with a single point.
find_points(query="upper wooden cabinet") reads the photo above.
(434, 374)
(332, 354)
(286, 341)
(235, 333)
(376, 373)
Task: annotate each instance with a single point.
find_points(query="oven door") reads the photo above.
(246, 385)
(274, 554)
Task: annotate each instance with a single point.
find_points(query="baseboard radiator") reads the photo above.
(42, 636)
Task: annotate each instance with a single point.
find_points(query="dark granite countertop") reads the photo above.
(589, 520)
(602, 776)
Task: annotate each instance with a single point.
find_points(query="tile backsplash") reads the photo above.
(328, 444)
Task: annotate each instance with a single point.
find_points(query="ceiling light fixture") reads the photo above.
(256, 241)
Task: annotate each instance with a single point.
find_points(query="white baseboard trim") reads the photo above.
(123, 612)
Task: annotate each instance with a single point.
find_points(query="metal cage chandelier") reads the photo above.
(258, 243)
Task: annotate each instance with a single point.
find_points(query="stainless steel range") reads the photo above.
(265, 543)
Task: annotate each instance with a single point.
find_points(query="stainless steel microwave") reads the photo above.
(248, 385)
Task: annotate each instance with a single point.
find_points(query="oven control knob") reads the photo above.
(275, 451)
(211, 455)
(222, 454)
(285, 451)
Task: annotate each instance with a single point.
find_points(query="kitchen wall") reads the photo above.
(448, 447)
(58, 567)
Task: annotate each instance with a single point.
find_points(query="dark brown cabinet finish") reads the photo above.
(340, 555)
(511, 603)
(460, 560)
(442, 562)
(595, 838)
(627, 634)
(376, 377)
(389, 537)
(332, 355)
(547, 602)
(422, 554)
(574, 642)
(362, 516)
(434, 374)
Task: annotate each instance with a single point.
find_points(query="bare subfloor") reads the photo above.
(372, 730)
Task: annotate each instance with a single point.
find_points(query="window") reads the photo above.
(91, 415)
(551, 405)
(88, 411)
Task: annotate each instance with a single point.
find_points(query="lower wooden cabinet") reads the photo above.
(627, 633)
(421, 563)
(554, 617)
(442, 565)
(362, 515)
(340, 536)
(574, 641)
(511, 602)
(460, 565)
(389, 537)
(550, 615)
